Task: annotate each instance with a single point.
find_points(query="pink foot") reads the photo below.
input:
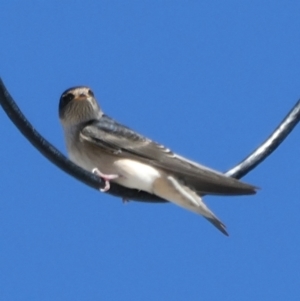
(105, 177)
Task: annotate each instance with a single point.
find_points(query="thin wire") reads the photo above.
(269, 146)
(57, 158)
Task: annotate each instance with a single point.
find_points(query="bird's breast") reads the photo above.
(132, 173)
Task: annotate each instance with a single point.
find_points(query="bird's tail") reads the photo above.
(169, 188)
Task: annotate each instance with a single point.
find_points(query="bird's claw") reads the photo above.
(105, 177)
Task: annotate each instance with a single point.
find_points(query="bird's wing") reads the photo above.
(119, 140)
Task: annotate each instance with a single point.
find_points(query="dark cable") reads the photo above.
(57, 158)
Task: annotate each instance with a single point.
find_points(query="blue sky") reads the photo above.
(210, 80)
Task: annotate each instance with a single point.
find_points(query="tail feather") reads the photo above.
(218, 224)
(169, 188)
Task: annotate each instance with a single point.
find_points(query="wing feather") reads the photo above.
(120, 140)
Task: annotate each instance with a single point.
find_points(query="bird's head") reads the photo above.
(78, 105)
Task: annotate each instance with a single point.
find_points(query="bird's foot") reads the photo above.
(105, 177)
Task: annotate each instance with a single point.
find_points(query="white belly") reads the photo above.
(134, 174)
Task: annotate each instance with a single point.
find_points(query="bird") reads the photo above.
(118, 154)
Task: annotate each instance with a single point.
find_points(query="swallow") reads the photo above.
(118, 154)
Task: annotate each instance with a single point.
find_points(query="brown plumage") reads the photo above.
(119, 154)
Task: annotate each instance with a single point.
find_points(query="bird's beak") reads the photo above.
(81, 96)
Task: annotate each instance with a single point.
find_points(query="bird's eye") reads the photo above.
(68, 97)
(90, 92)
(64, 100)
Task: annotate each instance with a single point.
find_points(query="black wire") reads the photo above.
(57, 158)
(270, 144)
